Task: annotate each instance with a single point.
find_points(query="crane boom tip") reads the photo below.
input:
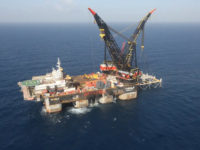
(92, 11)
(152, 10)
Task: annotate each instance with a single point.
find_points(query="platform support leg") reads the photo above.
(52, 108)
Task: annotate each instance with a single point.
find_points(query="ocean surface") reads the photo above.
(166, 118)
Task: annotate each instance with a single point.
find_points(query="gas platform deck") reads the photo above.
(118, 78)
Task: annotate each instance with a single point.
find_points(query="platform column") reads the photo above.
(52, 108)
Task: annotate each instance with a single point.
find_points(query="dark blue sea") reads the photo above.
(166, 118)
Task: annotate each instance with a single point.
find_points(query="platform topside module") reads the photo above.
(120, 78)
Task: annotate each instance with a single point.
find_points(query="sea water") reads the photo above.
(162, 118)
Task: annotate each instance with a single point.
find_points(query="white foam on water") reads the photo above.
(53, 118)
(115, 119)
(114, 100)
(94, 105)
(67, 117)
(78, 111)
(43, 111)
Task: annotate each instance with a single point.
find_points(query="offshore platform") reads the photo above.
(119, 78)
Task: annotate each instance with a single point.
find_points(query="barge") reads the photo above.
(57, 88)
(119, 78)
